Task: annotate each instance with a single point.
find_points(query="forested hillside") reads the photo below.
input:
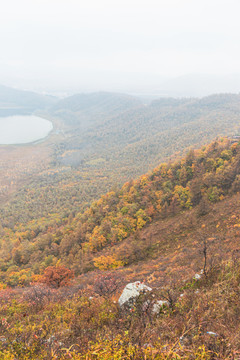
(85, 110)
(120, 180)
(86, 241)
(85, 163)
(162, 228)
(65, 259)
(150, 133)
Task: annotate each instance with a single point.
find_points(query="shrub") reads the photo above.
(57, 276)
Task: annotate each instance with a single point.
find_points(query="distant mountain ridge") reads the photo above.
(144, 131)
(88, 109)
(197, 85)
(106, 101)
(16, 102)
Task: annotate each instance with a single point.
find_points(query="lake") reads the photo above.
(23, 129)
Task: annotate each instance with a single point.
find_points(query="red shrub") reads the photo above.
(57, 276)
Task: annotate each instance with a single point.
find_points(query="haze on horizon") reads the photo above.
(167, 46)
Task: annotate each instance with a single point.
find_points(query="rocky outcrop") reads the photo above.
(132, 291)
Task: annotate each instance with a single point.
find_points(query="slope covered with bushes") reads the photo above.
(202, 321)
(179, 219)
(203, 177)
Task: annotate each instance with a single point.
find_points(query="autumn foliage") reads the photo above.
(201, 322)
(181, 218)
(92, 239)
(56, 276)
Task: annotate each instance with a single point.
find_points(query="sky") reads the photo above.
(112, 44)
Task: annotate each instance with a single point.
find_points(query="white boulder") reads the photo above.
(131, 291)
(158, 306)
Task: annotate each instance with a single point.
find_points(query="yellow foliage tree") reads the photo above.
(107, 262)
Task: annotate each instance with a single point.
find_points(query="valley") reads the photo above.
(113, 138)
(120, 192)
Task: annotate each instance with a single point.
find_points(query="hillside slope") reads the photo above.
(90, 240)
(85, 163)
(179, 219)
(149, 134)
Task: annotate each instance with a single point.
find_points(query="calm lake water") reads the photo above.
(23, 129)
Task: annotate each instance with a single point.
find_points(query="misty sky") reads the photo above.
(104, 42)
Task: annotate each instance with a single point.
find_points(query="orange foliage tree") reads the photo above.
(57, 276)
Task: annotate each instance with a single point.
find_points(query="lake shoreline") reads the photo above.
(21, 130)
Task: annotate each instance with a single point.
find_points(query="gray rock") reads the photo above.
(158, 306)
(131, 291)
